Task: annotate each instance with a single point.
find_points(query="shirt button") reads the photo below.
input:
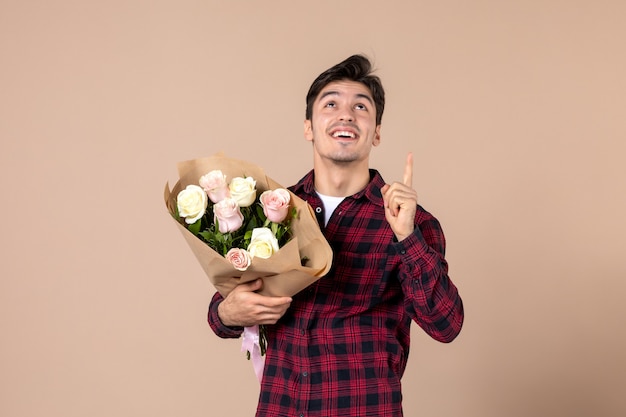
(305, 374)
(318, 209)
(302, 332)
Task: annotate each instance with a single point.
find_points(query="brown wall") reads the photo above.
(516, 114)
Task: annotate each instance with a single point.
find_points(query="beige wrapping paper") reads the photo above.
(283, 273)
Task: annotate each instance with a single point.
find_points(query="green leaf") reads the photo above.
(206, 235)
(195, 227)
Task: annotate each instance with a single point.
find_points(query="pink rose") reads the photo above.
(275, 204)
(240, 258)
(228, 215)
(214, 184)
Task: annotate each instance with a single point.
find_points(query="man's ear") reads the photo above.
(376, 140)
(308, 130)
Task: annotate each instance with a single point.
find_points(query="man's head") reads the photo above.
(356, 68)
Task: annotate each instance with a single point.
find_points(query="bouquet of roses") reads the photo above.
(236, 224)
(242, 225)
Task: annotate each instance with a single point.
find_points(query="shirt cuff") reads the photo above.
(220, 329)
(413, 247)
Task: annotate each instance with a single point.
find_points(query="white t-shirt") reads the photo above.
(330, 204)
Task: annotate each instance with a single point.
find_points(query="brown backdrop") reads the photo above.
(516, 114)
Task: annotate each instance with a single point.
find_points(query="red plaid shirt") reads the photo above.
(342, 346)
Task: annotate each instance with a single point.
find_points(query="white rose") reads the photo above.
(192, 203)
(243, 190)
(263, 243)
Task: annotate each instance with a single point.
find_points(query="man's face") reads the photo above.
(343, 123)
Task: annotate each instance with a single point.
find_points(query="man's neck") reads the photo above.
(340, 180)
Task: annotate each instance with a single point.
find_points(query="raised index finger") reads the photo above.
(408, 170)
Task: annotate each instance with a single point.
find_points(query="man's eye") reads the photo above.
(330, 104)
(360, 107)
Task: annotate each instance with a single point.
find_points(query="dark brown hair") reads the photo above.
(355, 68)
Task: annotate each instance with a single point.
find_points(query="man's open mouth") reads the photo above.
(344, 134)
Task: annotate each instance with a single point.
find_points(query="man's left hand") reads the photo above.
(400, 201)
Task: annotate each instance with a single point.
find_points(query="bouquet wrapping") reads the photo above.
(301, 261)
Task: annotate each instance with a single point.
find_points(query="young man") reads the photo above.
(340, 347)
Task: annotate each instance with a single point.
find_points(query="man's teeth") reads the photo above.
(343, 134)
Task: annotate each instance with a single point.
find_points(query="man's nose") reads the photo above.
(346, 115)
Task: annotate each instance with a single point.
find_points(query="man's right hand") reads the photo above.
(244, 307)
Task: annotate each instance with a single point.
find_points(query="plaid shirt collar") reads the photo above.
(372, 191)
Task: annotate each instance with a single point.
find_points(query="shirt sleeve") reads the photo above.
(430, 296)
(221, 330)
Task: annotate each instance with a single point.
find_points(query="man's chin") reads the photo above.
(344, 158)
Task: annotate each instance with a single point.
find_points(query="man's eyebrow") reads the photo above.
(336, 93)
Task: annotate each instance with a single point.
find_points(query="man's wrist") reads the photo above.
(220, 314)
(224, 317)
